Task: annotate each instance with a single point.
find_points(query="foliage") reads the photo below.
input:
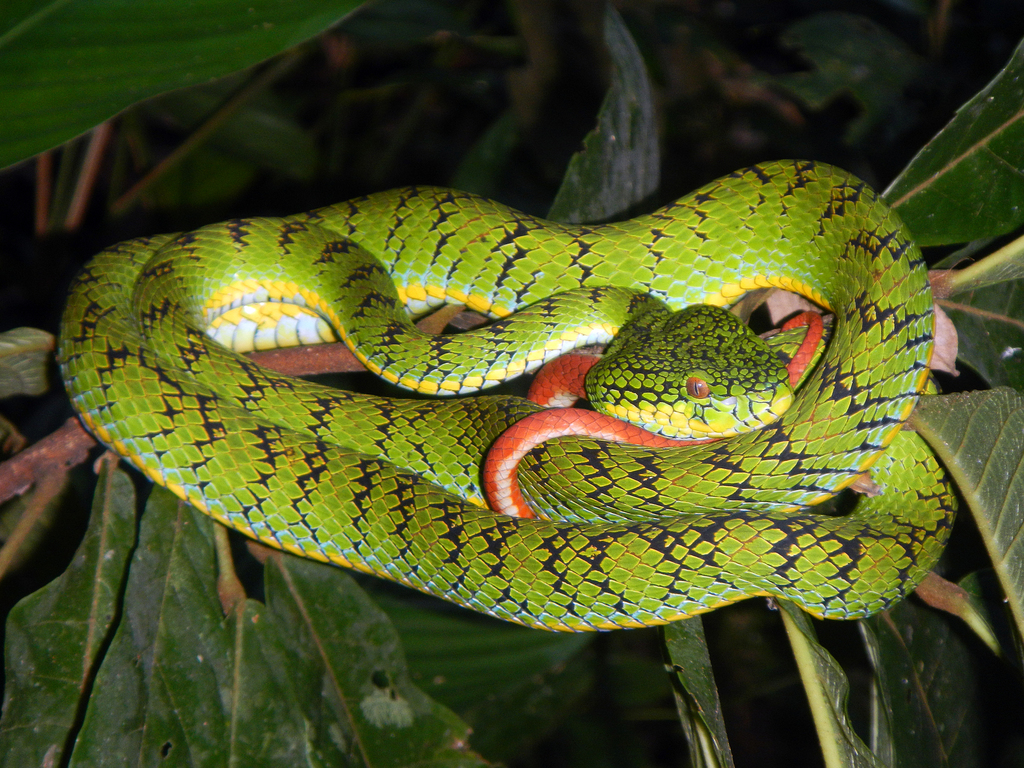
(144, 649)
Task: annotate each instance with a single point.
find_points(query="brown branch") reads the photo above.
(70, 445)
(309, 361)
(67, 447)
(336, 358)
(88, 174)
(44, 190)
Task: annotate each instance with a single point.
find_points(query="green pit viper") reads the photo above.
(391, 486)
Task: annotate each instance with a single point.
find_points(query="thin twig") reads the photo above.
(44, 190)
(67, 447)
(88, 174)
(70, 445)
(11, 553)
(204, 131)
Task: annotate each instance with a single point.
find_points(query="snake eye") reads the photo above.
(697, 388)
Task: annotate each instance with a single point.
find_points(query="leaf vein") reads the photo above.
(953, 164)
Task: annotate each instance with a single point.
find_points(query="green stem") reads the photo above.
(999, 267)
(824, 723)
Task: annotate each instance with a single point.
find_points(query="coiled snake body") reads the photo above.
(392, 487)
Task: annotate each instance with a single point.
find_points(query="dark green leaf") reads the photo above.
(462, 657)
(262, 131)
(619, 163)
(520, 713)
(165, 689)
(990, 330)
(63, 64)
(55, 636)
(511, 684)
(977, 436)
(850, 55)
(967, 182)
(927, 707)
(315, 676)
(700, 710)
(327, 624)
(481, 167)
(205, 177)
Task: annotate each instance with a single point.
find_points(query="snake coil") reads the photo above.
(391, 486)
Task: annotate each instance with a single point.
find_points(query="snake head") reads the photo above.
(697, 373)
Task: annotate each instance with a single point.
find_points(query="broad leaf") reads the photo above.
(314, 676)
(619, 163)
(63, 64)
(482, 165)
(57, 635)
(463, 657)
(700, 710)
(967, 182)
(926, 706)
(990, 330)
(977, 436)
(851, 55)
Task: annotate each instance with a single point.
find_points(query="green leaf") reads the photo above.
(619, 163)
(990, 331)
(977, 436)
(204, 178)
(521, 712)
(262, 131)
(827, 691)
(315, 676)
(481, 167)
(926, 710)
(327, 628)
(56, 636)
(468, 655)
(394, 22)
(63, 62)
(852, 55)
(700, 710)
(24, 356)
(511, 684)
(967, 182)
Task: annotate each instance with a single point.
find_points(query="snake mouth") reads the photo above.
(774, 409)
(735, 416)
(726, 417)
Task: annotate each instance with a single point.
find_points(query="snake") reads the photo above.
(626, 536)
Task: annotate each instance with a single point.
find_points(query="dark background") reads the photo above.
(410, 92)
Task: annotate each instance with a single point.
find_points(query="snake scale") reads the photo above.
(391, 486)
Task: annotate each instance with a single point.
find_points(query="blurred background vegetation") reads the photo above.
(496, 98)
